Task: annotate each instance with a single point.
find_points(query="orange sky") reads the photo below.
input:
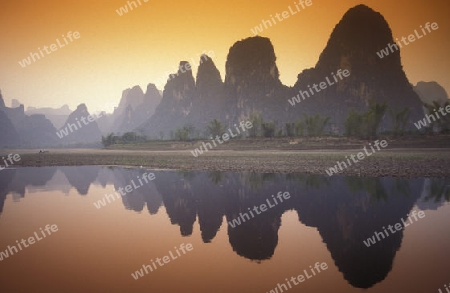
(116, 52)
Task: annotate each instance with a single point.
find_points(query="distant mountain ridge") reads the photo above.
(430, 92)
(133, 110)
(56, 116)
(33, 131)
(63, 110)
(78, 128)
(8, 134)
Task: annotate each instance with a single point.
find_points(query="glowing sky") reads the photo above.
(117, 52)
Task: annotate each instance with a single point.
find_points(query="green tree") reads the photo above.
(400, 119)
(268, 129)
(299, 126)
(365, 125)
(129, 136)
(257, 122)
(215, 176)
(215, 128)
(315, 125)
(190, 130)
(438, 190)
(354, 124)
(290, 129)
(182, 134)
(108, 140)
(373, 118)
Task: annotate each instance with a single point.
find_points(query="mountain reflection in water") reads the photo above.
(345, 210)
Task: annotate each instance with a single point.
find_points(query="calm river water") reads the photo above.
(173, 234)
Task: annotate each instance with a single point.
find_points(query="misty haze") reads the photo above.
(284, 146)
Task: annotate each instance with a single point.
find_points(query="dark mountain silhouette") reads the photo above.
(34, 131)
(152, 98)
(353, 45)
(430, 92)
(211, 101)
(8, 134)
(134, 109)
(15, 114)
(131, 99)
(140, 111)
(80, 131)
(252, 85)
(2, 102)
(176, 104)
(15, 103)
(105, 122)
(252, 82)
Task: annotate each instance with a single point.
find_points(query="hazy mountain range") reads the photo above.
(57, 116)
(251, 85)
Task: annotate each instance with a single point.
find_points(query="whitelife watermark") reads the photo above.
(52, 47)
(10, 158)
(225, 137)
(281, 16)
(165, 259)
(423, 123)
(71, 126)
(397, 226)
(128, 189)
(360, 156)
(323, 85)
(318, 267)
(411, 38)
(446, 289)
(28, 242)
(124, 9)
(262, 207)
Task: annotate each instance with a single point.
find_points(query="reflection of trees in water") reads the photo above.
(401, 187)
(372, 186)
(310, 181)
(256, 181)
(188, 175)
(439, 190)
(215, 176)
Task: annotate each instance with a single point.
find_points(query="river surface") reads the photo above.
(173, 233)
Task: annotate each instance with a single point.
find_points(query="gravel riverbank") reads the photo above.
(395, 162)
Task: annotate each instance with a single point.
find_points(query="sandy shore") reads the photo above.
(394, 162)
